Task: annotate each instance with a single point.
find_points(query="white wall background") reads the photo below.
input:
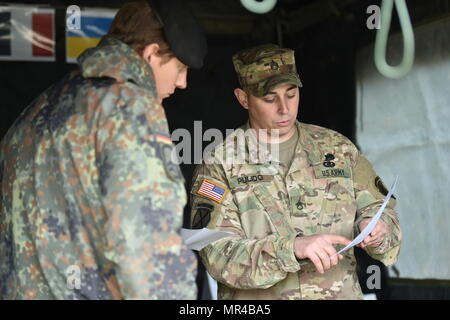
(403, 126)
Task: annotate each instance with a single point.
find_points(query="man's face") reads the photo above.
(169, 75)
(276, 110)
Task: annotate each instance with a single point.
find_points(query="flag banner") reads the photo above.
(93, 25)
(27, 33)
(212, 190)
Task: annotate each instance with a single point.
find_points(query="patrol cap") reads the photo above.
(263, 68)
(181, 30)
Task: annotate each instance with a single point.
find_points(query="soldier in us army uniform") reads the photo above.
(288, 211)
(91, 204)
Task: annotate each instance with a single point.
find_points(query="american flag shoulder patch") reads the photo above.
(212, 190)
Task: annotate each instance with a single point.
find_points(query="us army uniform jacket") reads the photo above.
(91, 203)
(265, 210)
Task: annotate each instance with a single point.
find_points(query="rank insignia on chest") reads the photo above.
(212, 190)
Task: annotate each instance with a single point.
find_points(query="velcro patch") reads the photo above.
(165, 150)
(332, 173)
(253, 178)
(202, 216)
(212, 190)
(381, 187)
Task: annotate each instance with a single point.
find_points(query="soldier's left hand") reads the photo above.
(376, 237)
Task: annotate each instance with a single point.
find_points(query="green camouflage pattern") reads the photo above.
(264, 68)
(265, 215)
(86, 181)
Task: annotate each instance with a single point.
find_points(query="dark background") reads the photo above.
(325, 34)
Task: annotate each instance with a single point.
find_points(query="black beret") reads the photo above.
(182, 31)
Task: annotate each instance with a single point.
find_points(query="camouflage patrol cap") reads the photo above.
(264, 68)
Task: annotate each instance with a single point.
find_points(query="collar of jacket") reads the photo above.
(114, 59)
(307, 143)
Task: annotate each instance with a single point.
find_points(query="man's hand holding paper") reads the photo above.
(376, 237)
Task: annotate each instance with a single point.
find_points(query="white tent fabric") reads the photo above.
(403, 127)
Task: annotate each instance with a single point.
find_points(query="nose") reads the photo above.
(181, 82)
(283, 107)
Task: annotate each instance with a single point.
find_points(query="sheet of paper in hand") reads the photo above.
(197, 239)
(368, 229)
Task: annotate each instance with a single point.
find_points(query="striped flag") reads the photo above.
(94, 24)
(163, 139)
(212, 190)
(27, 33)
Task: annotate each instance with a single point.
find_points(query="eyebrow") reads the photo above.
(291, 88)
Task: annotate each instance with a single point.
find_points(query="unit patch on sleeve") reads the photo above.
(381, 187)
(202, 215)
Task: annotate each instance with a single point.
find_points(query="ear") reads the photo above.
(149, 51)
(242, 97)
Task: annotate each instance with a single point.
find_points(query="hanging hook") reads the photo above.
(259, 7)
(382, 36)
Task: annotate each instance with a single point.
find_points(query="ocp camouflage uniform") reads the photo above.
(87, 184)
(266, 206)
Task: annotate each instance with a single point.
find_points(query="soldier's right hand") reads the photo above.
(319, 249)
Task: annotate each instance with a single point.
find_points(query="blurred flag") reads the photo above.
(27, 33)
(94, 24)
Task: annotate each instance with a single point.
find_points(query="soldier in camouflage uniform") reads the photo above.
(287, 210)
(91, 204)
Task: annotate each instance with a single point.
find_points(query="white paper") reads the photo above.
(368, 229)
(197, 239)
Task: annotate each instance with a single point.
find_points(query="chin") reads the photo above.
(165, 96)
